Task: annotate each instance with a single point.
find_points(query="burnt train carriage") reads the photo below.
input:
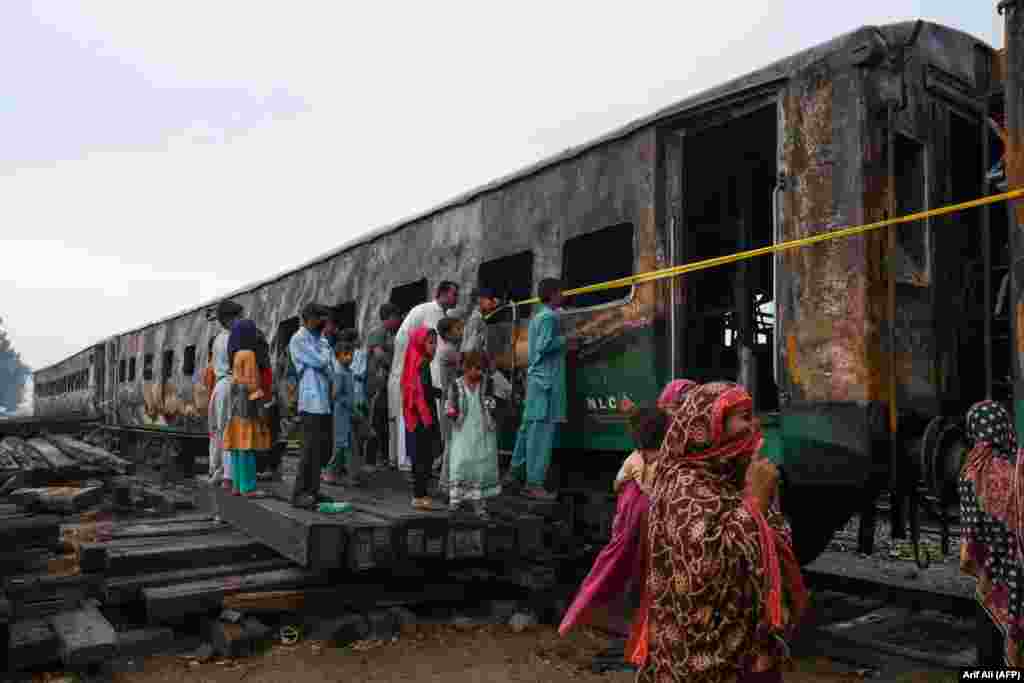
(877, 121)
(71, 388)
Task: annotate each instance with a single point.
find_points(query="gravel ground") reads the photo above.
(436, 653)
(845, 540)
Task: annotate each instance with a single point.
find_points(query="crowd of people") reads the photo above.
(421, 394)
(697, 530)
(698, 533)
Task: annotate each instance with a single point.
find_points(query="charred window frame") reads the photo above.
(913, 239)
(131, 369)
(511, 278)
(167, 366)
(605, 254)
(346, 315)
(188, 363)
(409, 295)
(147, 368)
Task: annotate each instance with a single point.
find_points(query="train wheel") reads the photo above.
(943, 449)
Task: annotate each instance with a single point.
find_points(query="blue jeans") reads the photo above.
(534, 443)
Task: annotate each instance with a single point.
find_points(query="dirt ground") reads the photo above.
(445, 654)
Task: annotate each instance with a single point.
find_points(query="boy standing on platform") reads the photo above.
(344, 403)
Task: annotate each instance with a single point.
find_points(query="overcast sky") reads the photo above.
(143, 145)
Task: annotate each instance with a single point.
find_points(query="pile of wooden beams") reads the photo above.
(173, 568)
(45, 460)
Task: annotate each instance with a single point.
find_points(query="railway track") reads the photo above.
(884, 617)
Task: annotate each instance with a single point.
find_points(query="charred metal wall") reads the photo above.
(608, 185)
(1014, 37)
(825, 289)
(833, 296)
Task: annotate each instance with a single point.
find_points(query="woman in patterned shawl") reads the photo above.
(248, 427)
(724, 585)
(991, 513)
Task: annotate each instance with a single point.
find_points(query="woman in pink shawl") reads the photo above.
(625, 557)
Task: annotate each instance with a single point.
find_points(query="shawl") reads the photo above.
(672, 394)
(415, 409)
(245, 370)
(617, 563)
(717, 565)
(244, 337)
(991, 509)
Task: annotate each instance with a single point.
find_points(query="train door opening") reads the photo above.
(983, 362)
(729, 179)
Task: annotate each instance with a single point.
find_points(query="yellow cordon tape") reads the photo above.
(783, 246)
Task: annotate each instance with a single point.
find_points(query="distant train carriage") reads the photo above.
(797, 148)
(71, 388)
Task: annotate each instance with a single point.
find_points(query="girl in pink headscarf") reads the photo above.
(625, 557)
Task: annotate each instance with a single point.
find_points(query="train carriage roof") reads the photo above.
(933, 41)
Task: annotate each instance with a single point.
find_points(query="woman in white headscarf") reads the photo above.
(220, 469)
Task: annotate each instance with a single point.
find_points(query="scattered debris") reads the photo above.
(521, 621)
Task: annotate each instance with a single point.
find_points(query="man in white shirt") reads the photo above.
(426, 314)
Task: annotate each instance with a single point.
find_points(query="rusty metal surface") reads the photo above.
(1014, 88)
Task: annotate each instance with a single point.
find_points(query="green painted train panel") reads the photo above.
(1018, 414)
(623, 368)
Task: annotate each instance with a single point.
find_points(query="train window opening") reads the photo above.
(599, 256)
(729, 177)
(409, 295)
(188, 362)
(346, 315)
(131, 369)
(167, 367)
(511, 278)
(147, 368)
(912, 239)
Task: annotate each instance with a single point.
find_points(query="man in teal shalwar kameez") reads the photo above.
(545, 392)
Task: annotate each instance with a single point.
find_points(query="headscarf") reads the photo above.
(415, 408)
(245, 370)
(245, 336)
(698, 428)
(672, 395)
(992, 518)
(717, 563)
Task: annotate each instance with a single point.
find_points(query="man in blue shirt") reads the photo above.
(311, 356)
